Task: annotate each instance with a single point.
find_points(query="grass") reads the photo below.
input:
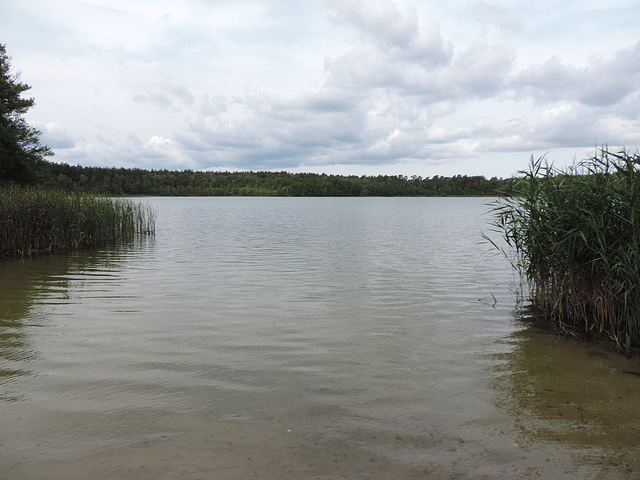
(36, 220)
(574, 237)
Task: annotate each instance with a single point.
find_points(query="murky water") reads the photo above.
(299, 339)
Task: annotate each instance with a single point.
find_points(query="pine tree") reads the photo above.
(21, 154)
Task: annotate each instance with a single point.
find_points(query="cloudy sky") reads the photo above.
(365, 87)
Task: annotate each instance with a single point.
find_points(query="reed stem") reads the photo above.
(36, 220)
(574, 237)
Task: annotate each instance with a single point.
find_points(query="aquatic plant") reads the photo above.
(36, 220)
(574, 237)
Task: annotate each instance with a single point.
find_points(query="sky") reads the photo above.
(348, 87)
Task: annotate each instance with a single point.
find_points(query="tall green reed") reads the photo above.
(35, 220)
(574, 237)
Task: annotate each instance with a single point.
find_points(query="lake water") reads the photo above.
(300, 338)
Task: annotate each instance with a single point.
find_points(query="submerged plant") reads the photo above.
(574, 237)
(35, 220)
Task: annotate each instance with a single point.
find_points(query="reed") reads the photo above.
(574, 237)
(36, 220)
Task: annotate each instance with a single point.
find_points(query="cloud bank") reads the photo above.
(349, 86)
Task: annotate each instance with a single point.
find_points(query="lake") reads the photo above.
(300, 338)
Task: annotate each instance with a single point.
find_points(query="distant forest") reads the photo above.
(131, 182)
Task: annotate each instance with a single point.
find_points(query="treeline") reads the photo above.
(131, 182)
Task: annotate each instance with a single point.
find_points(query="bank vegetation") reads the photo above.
(574, 236)
(37, 220)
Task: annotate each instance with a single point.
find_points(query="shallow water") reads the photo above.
(299, 338)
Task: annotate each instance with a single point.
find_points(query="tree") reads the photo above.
(21, 155)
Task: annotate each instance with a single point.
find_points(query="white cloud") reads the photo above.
(371, 84)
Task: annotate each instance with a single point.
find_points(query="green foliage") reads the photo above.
(21, 155)
(575, 239)
(121, 181)
(35, 220)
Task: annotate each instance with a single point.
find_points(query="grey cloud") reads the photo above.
(212, 105)
(273, 128)
(363, 67)
(628, 110)
(479, 72)
(154, 98)
(397, 55)
(429, 48)
(603, 82)
(565, 125)
(395, 30)
(55, 136)
(612, 80)
(550, 81)
(132, 139)
(378, 104)
(223, 135)
(263, 132)
(243, 83)
(385, 21)
(313, 104)
(363, 113)
(166, 95)
(190, 141)
(181, 93)
(329, 99)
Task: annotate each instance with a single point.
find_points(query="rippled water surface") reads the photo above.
(305, 338)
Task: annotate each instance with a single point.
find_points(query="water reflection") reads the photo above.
(27, 285)
(561, 390)
(20, 283)
(286, 339)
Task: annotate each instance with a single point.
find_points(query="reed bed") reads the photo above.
(35, 220)
(574, 237)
